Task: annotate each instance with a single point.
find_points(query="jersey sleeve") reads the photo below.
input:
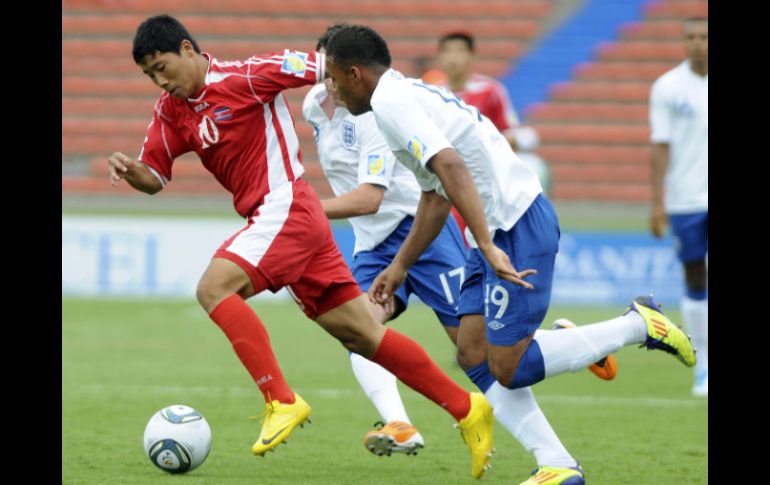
(501, 110)
(376, 162)
(405, 122)
(269, 75)
(660, 115)
(162, 145)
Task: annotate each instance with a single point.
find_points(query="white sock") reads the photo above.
(518, 412)
(577, 348)
(695, 314)
(380, 387)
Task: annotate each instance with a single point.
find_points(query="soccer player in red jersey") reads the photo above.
(234, 117)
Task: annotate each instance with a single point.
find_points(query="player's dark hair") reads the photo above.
(464, 36)
(330, 30)
(358, 44)
(162, 33)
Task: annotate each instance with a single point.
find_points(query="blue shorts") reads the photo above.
(472, 291)
(513, 312)
(691, 235)
(435, 278)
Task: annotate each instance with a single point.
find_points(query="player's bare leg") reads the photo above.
(354, 325)
(545, 354)
(222, 291)
(515, 409)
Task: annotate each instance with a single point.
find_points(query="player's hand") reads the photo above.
(658, 222)
(386, 284)
(119, 165)
(501, 263)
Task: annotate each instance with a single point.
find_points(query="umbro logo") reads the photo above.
(495, 325)
(201, 107)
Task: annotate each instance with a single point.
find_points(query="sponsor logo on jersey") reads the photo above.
(416, 148)
(222, 113)
(495, 325)
(294, 63)
(201, 107)
(348, 134)
(375, 165)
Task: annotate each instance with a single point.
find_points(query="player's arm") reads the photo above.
(136, 173)
(659, 166)
(150, 172)
(462, 192)
(376, 165)
(270, 74)
(363, 200)
(429, 220)
(660, 123)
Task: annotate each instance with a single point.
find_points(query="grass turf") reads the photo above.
(122, 360)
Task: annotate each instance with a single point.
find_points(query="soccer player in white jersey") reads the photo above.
(460, 158)
(380, 197)
(679, 117)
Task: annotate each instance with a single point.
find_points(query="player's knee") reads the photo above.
(503, 371)
(358, 343)
(696, 276)
(209, 294)
(469, 356)
(522, 371)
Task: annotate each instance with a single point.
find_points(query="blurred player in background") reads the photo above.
(680, 153)
(460, 158)
(380, 197)
(455, 56)
(235, 118)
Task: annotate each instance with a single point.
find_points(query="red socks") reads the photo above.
(411, 364)
(251, 342)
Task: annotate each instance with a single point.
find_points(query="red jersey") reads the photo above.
(491, 98)
(238, 123)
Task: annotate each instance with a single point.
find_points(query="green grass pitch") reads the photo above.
(122, 360)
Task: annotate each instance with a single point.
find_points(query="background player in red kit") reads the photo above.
(234, 117)
(483, 92)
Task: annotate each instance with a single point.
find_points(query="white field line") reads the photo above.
(336, 393)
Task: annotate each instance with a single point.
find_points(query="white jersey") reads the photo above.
(352, 152)
(418, 120)
(679, 116)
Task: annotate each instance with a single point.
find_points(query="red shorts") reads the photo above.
(288, 242)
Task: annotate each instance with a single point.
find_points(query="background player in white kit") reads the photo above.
(680, 156)
(380, 197)
(460, 158)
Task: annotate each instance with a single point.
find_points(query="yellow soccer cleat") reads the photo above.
(396, 436)
(279, 421)
(661, 333)
(606, 368)
(549, 475)
(476, 429)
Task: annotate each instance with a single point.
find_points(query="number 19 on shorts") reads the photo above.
(498, 296)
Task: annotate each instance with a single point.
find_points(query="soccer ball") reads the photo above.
(177, 439)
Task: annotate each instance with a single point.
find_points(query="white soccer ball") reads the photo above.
(177, 439)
